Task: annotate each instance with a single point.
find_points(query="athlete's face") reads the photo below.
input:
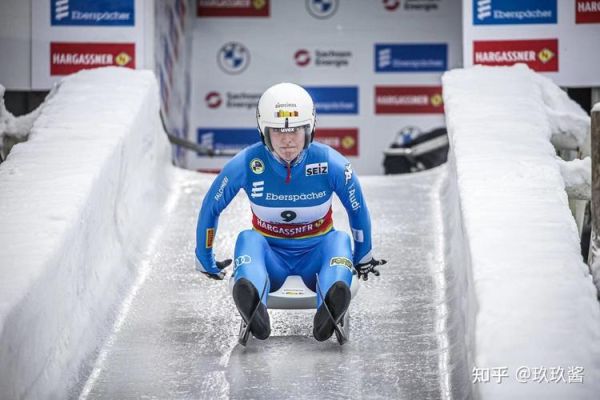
(287, 143)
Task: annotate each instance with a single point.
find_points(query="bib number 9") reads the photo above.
(288, 216)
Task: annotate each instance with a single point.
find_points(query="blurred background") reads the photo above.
(372, 66)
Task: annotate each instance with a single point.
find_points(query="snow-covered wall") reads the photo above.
(77, 202)
(537, 323)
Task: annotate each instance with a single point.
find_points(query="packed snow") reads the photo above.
(77, 203)
(537, 321)
(577, 175)
(18, 127)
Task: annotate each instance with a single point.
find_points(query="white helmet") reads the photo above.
(285, 105)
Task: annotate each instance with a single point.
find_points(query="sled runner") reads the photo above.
(295, 295)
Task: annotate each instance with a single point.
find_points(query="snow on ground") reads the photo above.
(76, 204)
(537, 326)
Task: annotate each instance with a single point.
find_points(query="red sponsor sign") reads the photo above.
(408, 100)
(344, 140)
(67, 58)
(233, 8)
(587, 11)
(540, 55)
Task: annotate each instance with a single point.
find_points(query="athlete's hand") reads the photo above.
(217, 271)
(363, 269)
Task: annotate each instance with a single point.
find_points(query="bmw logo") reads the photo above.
(321, 9)
(233, 58)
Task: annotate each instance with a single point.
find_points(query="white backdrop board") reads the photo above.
(560, 38)
(348, 54)
(70, 35)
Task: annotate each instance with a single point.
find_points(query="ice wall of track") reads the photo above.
(77, 202)
(535, 306)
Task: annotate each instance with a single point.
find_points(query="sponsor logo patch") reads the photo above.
(241, 260)
(341, 261)
(411, 57)
(233, 8)
(258, 188)
(391, 5)
(352, 196)
(233, 58)
(587, 11)
(540, 55)
(257, 166)
(358, 235)
(344, 140)
(232, 100)
(210, 237)
(335, 100)
(347, 173)
(412, 5)
(296, 197)
(67, 58)
(221, 190)
(286, 114)
(408, 100)
(316, 169)
(514, 12)
(92, 13)
(323, 58)
(322, 9)
(213, 100)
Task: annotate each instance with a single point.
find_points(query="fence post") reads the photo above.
(595, 205)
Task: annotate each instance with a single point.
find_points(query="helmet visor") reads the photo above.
(277, 135)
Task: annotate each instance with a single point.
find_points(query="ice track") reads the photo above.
(178, 336)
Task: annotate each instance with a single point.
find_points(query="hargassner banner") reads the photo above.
(372, 68)
(557, 38)
(70, 35)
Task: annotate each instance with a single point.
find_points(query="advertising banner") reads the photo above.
(71, 35)
(587, 11)
(92, 13)
(540, 55)
(229, 140)
(514, 12)
(233, 8)
(344, 140)
(557, 38)
(411, 57)
(67, 58)
(340, 51)
(408, 100)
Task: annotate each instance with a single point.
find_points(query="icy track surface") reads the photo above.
(178, 338)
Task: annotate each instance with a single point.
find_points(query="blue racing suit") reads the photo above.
(293, 231)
